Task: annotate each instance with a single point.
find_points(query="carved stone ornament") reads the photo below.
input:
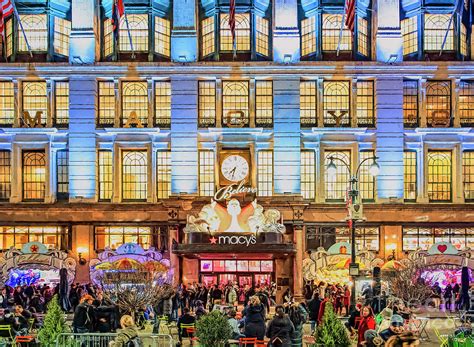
(133, 121)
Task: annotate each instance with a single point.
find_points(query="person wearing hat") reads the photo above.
(372, 339)
(385, 319)
(83, 321)
(395, 328)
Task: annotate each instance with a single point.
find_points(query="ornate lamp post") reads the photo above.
(354, 208)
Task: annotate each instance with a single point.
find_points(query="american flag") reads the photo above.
(6, 9)
(118, 10)
(232, 22)
(350, 14)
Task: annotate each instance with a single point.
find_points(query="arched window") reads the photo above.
(439, 176)
(35, 99)
(330, 34)
(134, 175)
(336, 103)
(336, 184)
(242, 32)
(34, 175)
(36, 31)
(435, 31)
(438, 103)
(138, 24)
(135, 99)
(235, 107)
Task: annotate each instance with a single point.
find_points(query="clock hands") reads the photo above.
(233, 171)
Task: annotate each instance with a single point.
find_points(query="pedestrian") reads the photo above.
(407, 339)
(298, 316)
(280, 329)
(254, 319)
(128, 335)
(83, 321)
(395, 328)
(313, 310)
(367, 323)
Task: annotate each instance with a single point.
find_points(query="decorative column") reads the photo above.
(286, 35)
(82, 41)
(389, 44)
(184, 43)
(298, 239)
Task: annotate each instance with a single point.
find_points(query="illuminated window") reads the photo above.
(409, 175)
(438, 103)
(7, 104)
(5, 175)
(206, 173)
(207, 104)
(134, 175)
(261, 35)
(463, 40)
(365, 104)
(242, 32)
(423, 238)
(436, 26)
(308, 111)
(108, 37)
(9, 36)
(163, 104)
(336, 103)
(62, 174)
(336, 184)
(35, 99)
(62, 104)
(115, 236)
(466, 103)
(366, 180)
(330, 34)
(410, 35)
(138, 31)
(105, 175)
(366, 238)
(62, 30)
(468, 175)
(265, 173)
(264, 103)
(308, 175)
(308, 36)
(106, 104)
(410, 103)
(163, 174)
(235, 103)
(135, 99)
(439, 175)
(162, 36)
(53, 237)
(34, 175)
(207, 36)
(36, 31)
(362, 36)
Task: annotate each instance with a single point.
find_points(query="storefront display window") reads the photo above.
(53, 237)
(244, 272)
(266, 265)
(367, 238)
(146, 236)
(242, 265)
(230, 265)
(206, 266)
(424, 238)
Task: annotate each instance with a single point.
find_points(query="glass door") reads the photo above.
(263, 279)
(245, 281)
(225, 279)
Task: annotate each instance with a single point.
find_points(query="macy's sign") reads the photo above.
(246, 240)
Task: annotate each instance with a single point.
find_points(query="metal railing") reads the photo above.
(103, 340)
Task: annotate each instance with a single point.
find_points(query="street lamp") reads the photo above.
(354, 207)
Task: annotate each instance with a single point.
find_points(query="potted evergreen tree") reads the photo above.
(331, 332)
(213, 330)
(54, 324)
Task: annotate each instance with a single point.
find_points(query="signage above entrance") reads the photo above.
(228, 192)
(244, 240)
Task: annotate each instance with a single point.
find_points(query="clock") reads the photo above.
(235, 168)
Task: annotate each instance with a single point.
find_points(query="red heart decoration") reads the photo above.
(442, 248)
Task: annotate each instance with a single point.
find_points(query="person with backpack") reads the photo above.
(298, 316)
(280, 329)
(128, 336)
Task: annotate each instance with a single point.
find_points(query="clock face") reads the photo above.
(235, 168)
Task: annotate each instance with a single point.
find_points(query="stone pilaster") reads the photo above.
(389, 43)
(184, 43)
(286, 38)
(82, 41)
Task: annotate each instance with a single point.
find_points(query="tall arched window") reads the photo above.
(336, 184)
(134, 175)
(436, 26)
(336, 103)
(331, 31)
(438, 103)
(235, 106)
(138, 31)
(242, 32)
(35, 99)
(36, 31)
(439, 175)
(34, 175)
(135, 99)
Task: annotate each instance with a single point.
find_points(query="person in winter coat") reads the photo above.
(298, 316)
(313, 310)
(254, 319)
(322, 307)
(128, 333)
(280, 329)
(367, 323)
(200, 310)
(83, 321)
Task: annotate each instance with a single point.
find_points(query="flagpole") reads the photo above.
(21, 27)
(340, 30)
(129, 35)
(449, 27)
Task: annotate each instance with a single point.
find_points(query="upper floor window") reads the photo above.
(207, 183)
(163, 104)
(62, 31)
(62, 174)
(105, 175)
(265, 173)
(162, 36)
(5, 175)
(366, 180)
(410, 35)
(163, 174)
(36, 31)
(207, 104)
(7, 104)
(263, 103)
(336, 184)
(308, 36)
(208, 39)
(466, 103)
(363, 42)
(235, 104)
(409, 176)
(410, 103)
(331, 31)
(62, 104)
(262, 36)
(134, 175)
(53, 237)
(365, 112)
(436, 26)
(135, 102)
(106, 115)
(138, 24)
(34, 175)
(308, 110)
(115, 236)
(423, 238)
(438, 103)
(336, 103)
(308, 175)
(35, 101)
(242, 32)
(439, 176)
(468, 175)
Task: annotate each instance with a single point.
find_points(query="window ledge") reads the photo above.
(334, 130)
(450, 130)
(146, 131)
(252, 131)
(30, 130)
